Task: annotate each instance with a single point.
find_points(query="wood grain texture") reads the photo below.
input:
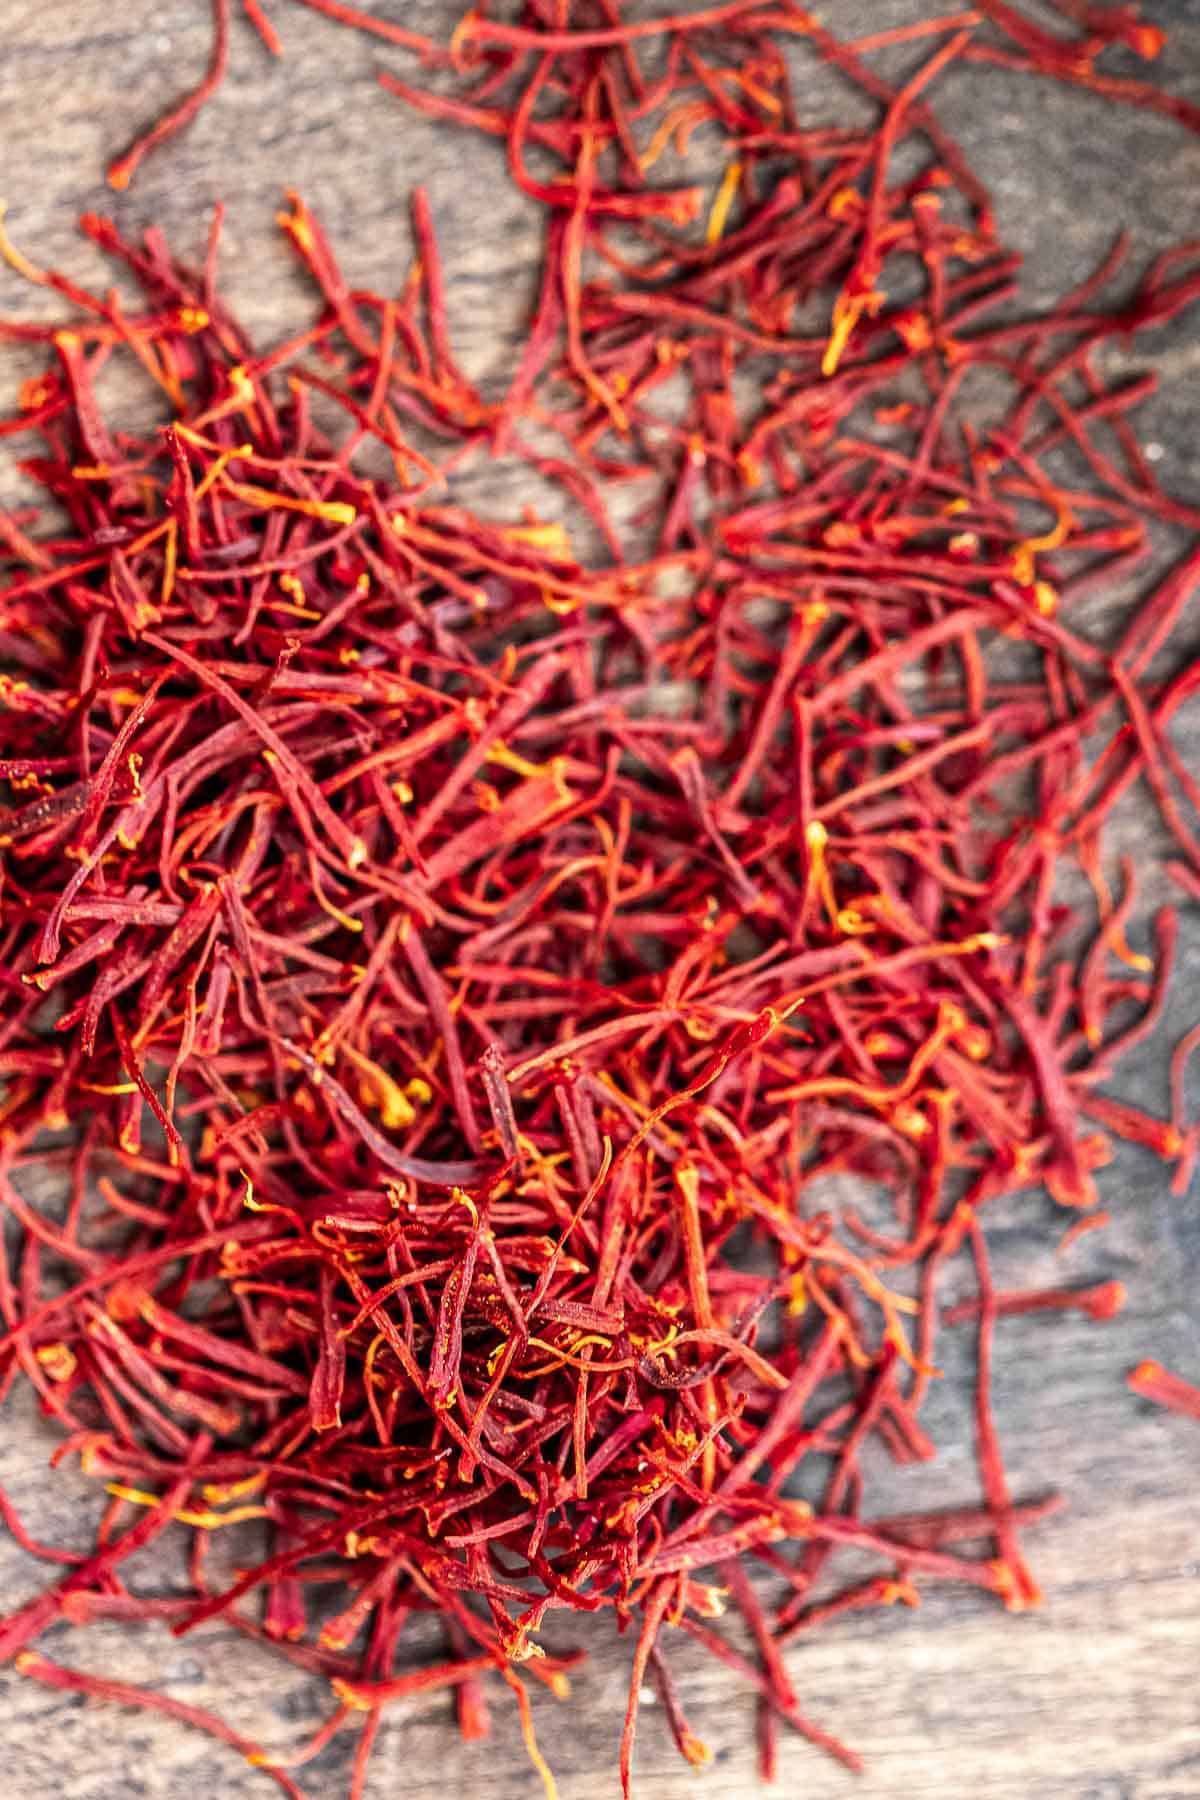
(1095, 1696)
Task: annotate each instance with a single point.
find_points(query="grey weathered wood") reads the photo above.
(1093, 1698)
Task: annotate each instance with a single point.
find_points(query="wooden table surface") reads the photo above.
(1094, 1697)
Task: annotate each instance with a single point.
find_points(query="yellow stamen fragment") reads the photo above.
(723, 202)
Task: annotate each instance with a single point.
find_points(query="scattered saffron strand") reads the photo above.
(36, 1667)
(1109, 87)
(263, 26)
(1023, 1590)
(475, 28)
(121, 172)
(1094, 1221)
(1152, 1382)
(1102, 1301)
(381, 28)
(907, 34)
(654, 1611)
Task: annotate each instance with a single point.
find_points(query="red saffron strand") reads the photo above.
(121, 172)
(1152, 1382)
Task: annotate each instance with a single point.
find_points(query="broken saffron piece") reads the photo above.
(1153, 1382)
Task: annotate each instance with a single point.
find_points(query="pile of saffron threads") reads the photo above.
(442, 977)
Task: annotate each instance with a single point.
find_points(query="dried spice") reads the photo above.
(454, 971)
